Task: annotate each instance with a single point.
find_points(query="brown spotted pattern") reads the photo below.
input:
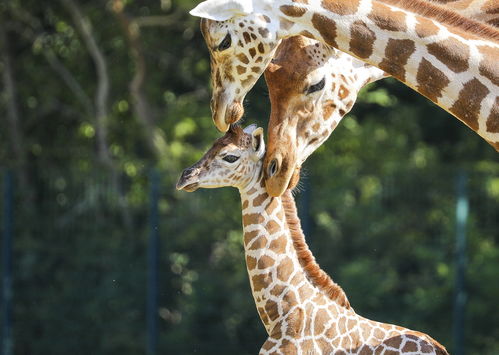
(302, 309)
(239, 66)
(434, 48)
(430, 80)
(397, 53)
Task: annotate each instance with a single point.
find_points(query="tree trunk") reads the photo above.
(102, 94)
(141, 106)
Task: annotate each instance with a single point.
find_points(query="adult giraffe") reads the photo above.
(302, 309)
(449, 59)
(312, 86)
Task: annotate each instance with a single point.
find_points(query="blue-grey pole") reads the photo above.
(6, 306)
(152, 265)
(460, 291)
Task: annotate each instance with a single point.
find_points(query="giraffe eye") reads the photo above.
(230, 158)
(317, 87)
(226, 42)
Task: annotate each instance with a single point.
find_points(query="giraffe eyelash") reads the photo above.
(316, 87)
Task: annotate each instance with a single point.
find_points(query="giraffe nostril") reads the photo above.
(273, 167)
(187, 173)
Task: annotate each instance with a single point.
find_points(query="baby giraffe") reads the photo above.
(302, 309)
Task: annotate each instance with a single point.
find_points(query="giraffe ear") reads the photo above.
(249, 129)
(258, 143)
(221, 10)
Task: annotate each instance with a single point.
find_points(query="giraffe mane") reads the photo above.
(307, 260)
(443, 15)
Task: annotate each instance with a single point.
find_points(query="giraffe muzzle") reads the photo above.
(225, 114)
(189, 180)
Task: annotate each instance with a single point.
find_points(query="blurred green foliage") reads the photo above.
(381, 195)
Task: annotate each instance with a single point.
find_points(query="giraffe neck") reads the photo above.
(302, 309)
(350, 75)
(282, 271)
(451, 62)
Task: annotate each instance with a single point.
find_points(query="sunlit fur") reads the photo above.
(301, 121)
(448, 16)
(458, 73)
(303, 310)
(236, 69)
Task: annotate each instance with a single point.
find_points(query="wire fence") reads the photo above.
(100, 263)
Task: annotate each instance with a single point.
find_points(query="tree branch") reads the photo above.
(144, 21)
(66, 76)
(141, 105)
(34, 32)
(102, 93)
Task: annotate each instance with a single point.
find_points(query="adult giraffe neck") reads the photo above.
(281, 268)
(447, 58)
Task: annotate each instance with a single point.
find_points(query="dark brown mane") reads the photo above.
(445, 16)
(307, 260)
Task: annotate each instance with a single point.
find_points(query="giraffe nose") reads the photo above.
(273, 168)
(187, 178)
(186, 173)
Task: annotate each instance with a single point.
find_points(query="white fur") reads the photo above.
(249, 129)
(222, 10)
(258, 143)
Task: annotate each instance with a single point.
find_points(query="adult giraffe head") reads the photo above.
(241, 42)
(311, 87)
(234, 160)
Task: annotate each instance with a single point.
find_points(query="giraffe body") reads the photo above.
(449, 59)
(302, 309)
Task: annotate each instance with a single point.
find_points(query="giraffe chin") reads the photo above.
(295, 178)
(278, 184)
(191, 187)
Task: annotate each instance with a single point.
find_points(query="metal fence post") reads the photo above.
(460, 291)
(6, 306)
(152, 265)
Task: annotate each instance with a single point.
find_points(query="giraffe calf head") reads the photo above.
(233, 160)
(241, 44)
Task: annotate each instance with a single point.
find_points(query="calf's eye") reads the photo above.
(230, 158)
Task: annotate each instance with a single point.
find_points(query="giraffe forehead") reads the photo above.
(230, 148)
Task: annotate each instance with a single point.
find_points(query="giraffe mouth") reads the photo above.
(227, 114)
(185, 186)
(191, 187)
(187, 181)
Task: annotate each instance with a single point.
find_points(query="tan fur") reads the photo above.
(318, 276)
(448, 17)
